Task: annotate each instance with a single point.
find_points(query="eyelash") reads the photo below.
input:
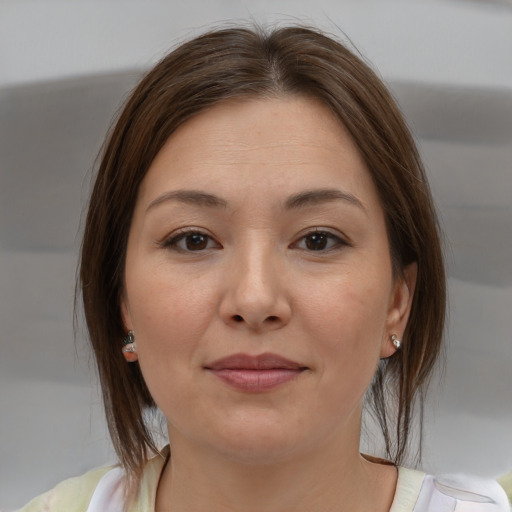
(337, 241)
(172, 243)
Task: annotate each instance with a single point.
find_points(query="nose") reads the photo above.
(256, 296)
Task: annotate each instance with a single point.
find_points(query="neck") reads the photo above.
(330, 478)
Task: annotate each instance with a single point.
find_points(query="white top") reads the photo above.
(418, 492)
(415, 492)
(101, 490)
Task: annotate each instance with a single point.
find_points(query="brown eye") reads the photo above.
(316, 242)
(191, 241)
(196, 242)
(320, 241)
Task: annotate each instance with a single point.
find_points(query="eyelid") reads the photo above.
(170, 241)
(341, 239)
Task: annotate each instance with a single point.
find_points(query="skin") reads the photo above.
(248, 281)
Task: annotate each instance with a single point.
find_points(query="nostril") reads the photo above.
(269, 320)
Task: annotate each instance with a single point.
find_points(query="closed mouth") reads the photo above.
(266, 361)
(255, 374)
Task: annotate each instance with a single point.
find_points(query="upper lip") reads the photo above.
(265, 361)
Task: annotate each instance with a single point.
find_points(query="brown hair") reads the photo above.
(242, 62)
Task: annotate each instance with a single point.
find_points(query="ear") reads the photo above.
(399, 308)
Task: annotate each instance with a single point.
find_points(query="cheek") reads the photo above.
(347, 318)
(169, 318)
(353, 307)
(169, 314)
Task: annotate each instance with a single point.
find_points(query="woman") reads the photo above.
(261, 256)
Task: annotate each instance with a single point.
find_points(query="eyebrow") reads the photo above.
(315, 197)
(193, 197)
(297, 201)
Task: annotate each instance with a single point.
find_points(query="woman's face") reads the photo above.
(258, 280)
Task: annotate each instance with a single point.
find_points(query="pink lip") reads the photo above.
(255, 373)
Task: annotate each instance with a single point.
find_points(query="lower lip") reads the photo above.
(256, 381)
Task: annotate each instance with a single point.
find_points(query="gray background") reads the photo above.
(64, 69)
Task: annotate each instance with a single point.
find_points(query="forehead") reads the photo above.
(266, 145)
(249, 125)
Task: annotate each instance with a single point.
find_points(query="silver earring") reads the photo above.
(129, 348)
(396, 342)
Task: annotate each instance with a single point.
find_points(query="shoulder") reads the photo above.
(72, 495)
(446, 493)
(468, 492)
(506, 482)
(101, 490)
